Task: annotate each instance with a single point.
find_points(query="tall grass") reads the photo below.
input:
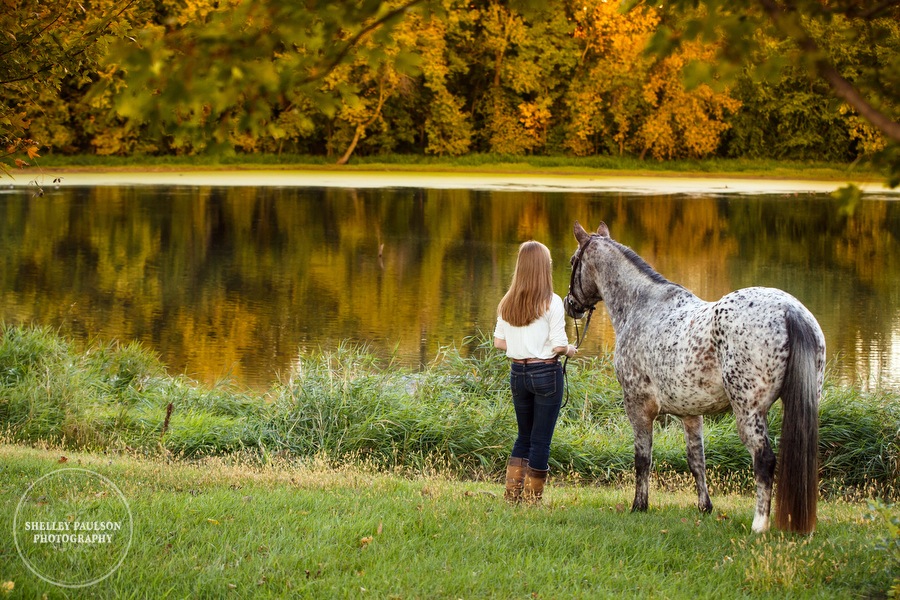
(454, 416)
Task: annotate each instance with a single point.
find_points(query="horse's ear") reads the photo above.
(580, 234)
(603, 230)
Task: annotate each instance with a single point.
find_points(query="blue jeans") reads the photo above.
(537, 391)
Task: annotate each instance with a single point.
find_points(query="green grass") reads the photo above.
(353, 477)
(454, 416)
(484, 163)
(224, 527)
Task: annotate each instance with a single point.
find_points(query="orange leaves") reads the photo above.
(534, 118)
(612, 35)
(21, 146)
(631, 102)
(682, 123)
(603, 104)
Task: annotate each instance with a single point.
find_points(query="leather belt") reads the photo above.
(530, 361)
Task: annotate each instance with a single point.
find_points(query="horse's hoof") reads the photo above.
(705, 507)
(760, 524)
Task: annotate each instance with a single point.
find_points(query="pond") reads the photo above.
(236, 281)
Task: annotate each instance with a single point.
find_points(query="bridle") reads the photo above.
(579, 308)
(576, 272)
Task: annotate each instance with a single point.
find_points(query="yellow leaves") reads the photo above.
(7, 587)
(631, 103)
(535, 116)
(535, 120)
(682, 123)
(503, 28)
(614, 36)
(587, 119)
(869, 139)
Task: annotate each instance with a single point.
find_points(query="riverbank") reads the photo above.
(563, 174)
(474, 181)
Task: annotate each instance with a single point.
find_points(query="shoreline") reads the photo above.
(436, 179)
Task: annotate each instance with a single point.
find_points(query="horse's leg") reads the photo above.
(754, 432)
(641, 414)
(693, 438)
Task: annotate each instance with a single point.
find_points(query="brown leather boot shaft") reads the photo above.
(515, 479)
(533, 486)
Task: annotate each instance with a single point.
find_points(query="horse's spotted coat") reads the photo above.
(677, 354)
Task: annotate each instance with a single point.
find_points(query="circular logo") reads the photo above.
(73, 527)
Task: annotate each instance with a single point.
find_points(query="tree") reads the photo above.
(637, 103)
(447, 128)
(238, 65)
(44, 47)
(605, 96)
(872, 90)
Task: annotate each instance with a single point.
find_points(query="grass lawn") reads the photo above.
(222, 528)
(479, 163)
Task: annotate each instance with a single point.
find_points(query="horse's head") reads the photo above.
(583, 294)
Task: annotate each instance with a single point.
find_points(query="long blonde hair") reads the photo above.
(531, 289)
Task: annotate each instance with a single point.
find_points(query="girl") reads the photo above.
(531, 329)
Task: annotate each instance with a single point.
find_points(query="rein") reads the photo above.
(579, 337)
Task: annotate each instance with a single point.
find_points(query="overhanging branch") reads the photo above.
(352, 42)
(842, 88)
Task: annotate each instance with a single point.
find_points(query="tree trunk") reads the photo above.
(346, 157)
(361, 128)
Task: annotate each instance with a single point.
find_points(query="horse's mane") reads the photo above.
(641, 264)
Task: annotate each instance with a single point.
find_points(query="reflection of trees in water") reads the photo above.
(236, 279)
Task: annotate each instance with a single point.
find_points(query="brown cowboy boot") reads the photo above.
(515, 479)
(533, 487)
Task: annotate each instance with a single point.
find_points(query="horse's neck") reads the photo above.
(630, 285)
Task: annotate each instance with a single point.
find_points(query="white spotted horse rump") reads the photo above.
(679, 355)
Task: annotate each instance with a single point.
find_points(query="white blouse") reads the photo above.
(538, 338)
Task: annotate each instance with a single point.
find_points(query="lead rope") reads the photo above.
(578, 339)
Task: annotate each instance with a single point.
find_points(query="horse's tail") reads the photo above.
(798, 464)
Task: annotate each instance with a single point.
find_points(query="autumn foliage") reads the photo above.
(441, 77)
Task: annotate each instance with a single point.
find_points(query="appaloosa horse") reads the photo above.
(679, 355)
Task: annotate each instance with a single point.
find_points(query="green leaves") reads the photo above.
(447, 76)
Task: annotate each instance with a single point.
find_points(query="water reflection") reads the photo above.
(232, 281)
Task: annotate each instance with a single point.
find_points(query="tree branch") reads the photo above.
(846, 91)
(30, 36)
(352, 42)
(842, 88)
(872, 12)
(88, 38)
